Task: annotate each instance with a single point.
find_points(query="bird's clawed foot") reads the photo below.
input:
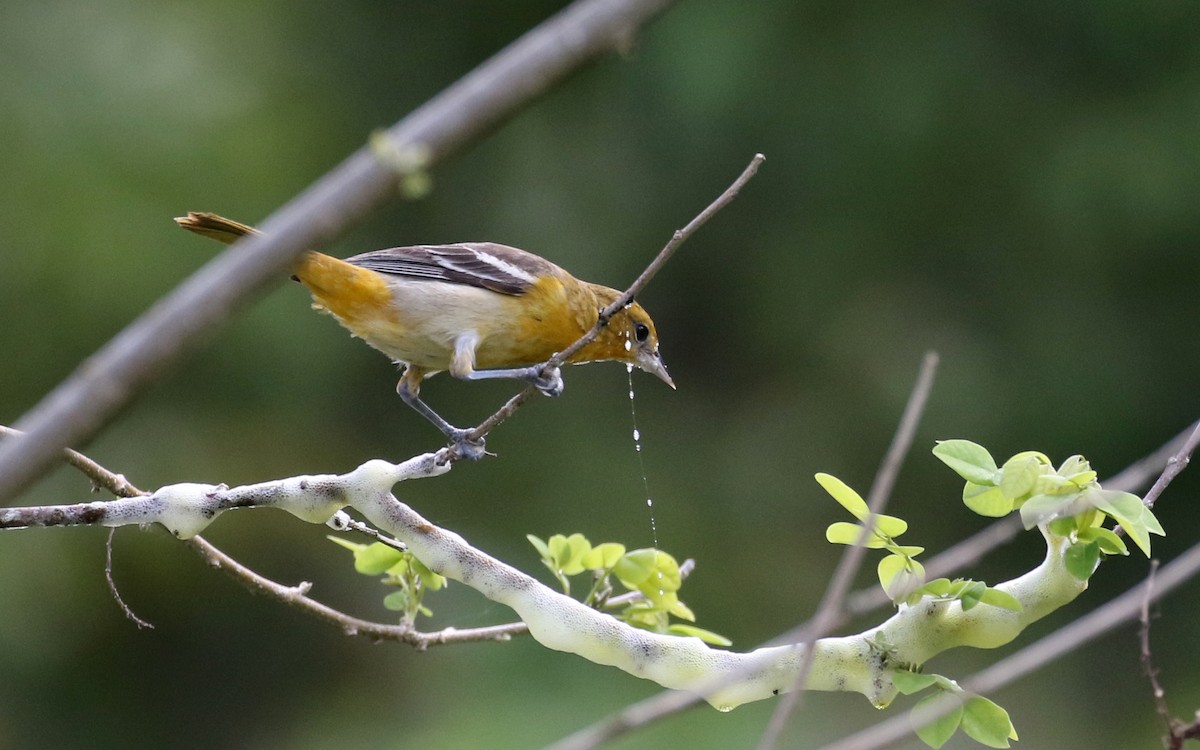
(548, 380)
(464, 447)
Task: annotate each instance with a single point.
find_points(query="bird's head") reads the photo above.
(629, 337)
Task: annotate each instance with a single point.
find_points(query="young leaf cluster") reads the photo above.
(651, 575)
(1067, 501)
(900, 574)
(981, 719)
(397, 568)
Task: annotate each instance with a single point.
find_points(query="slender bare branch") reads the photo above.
(101, 477)
(1175, 465)
(297, 596)
(156, 341)
(112, 585)
(678, 238)
(831, 611)
(1147, 659)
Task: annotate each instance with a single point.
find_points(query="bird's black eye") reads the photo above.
(641, 332)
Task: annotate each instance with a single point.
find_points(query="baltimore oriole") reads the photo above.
(477, 309)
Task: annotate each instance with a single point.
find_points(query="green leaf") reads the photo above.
(1063, 526)
(911, 682)
(846, 497)
(935, 732)
(970, 461)
(1042, 508)
(1019, 475)
(972, 594)
(1001, 599)
(603, 556)
(370, 559)
(1081, 558)
(900, 576)
(376, 558)
(1110, 543)
(938, 587)
(635, 567)
(1151, 521)
(682, 611)
(430, 580)
(1076, 465)
(890, 526)
(987, 501)
(352, 546)
(1127, 509)
(709, 637)
(987, 723)
(568, 552)
(539, 545)
(667, 571)
(844, 532)
(397, 601)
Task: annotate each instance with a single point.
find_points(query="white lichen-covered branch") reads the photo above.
(860, 663)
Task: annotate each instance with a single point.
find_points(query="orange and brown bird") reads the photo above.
(477, 309)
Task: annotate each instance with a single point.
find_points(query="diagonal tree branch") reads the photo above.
(155, 342)
(831, 611)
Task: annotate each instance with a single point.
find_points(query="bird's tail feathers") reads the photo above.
(214, 226)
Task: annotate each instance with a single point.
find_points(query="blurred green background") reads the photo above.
(1014, 185)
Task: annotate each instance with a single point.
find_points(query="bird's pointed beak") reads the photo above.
(652, 363)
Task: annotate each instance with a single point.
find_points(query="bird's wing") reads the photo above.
(487, 265)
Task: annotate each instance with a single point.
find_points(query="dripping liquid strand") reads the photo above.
(637, 447)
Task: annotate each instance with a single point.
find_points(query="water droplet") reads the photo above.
(637, 435)
(628, 344)
(649, 503)
(629, 369)
(724, 709)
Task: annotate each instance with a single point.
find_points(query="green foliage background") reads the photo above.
(1012, 184)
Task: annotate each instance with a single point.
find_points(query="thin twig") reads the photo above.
(112, 585)
(1145, 470)
(678, 238)
(297, 596)
(831, 612)
(1147, 659)
(101, 477)
(464, 112)
(343, 521)
(1175, 465)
